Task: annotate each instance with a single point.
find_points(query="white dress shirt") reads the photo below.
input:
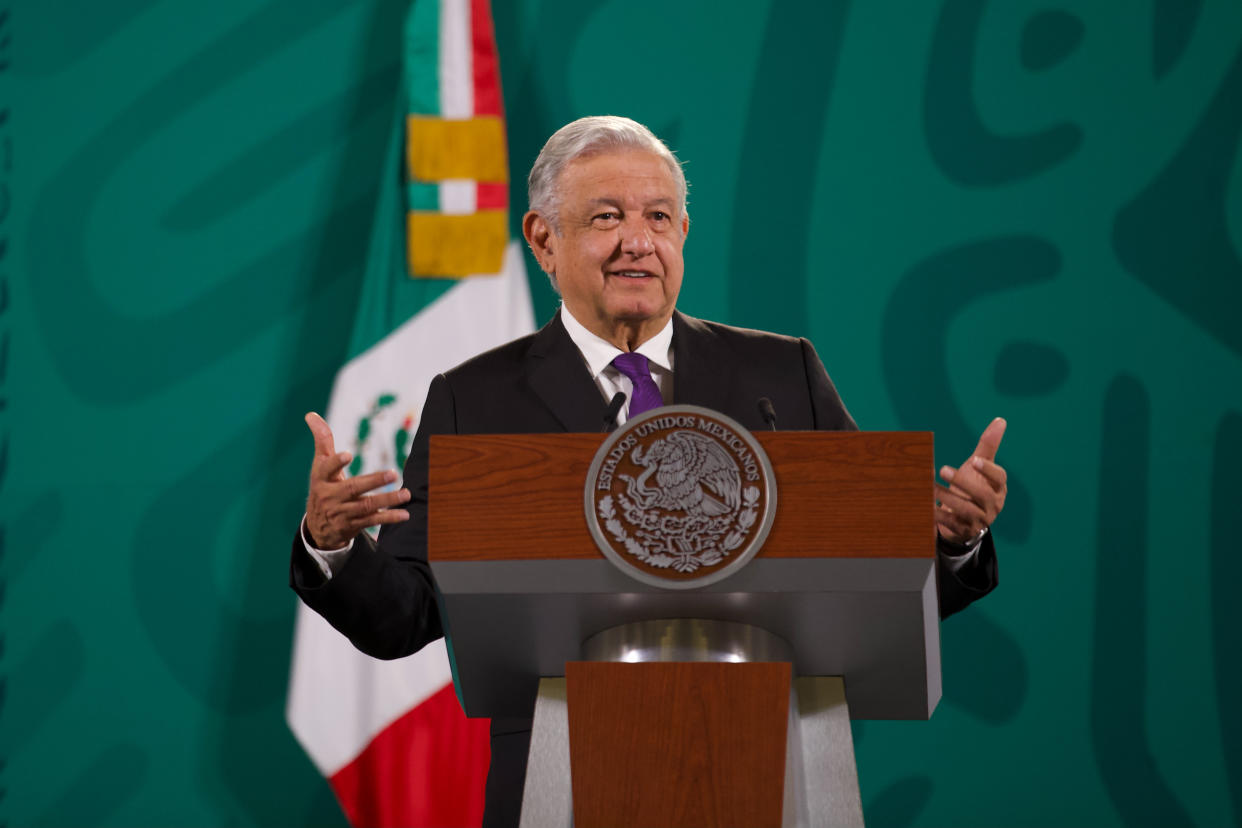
(598, 354)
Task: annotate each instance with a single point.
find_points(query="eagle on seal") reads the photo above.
(686, 466)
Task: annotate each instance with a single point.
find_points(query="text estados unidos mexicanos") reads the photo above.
(735, 444)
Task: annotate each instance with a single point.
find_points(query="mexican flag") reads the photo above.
(390, 735)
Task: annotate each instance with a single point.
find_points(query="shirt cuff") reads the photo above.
(329, 561)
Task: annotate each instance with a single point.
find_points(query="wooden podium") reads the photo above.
(717, 706)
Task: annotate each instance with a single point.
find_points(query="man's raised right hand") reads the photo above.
(339, 507)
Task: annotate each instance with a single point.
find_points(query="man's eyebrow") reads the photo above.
(613, 202)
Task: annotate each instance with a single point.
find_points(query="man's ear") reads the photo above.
(685, 224)
(542, 240)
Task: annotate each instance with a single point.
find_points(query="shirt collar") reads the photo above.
(599, 353)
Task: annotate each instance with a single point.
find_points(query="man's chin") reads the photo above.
(641, 314)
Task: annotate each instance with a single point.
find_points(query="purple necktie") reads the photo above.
(646, 394)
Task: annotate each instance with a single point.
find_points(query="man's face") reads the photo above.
(618, 256)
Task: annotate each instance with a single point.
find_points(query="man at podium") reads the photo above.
(607, 223)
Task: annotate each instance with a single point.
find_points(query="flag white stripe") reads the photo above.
(458, 196)
(456, 64)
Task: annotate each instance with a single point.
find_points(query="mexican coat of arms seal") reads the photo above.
(680, 497)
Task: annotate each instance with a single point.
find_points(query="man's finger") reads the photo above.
(962, 506)
(952, 526)
(330, 468)
(969, 483)
(991, 472)
(380, 518)
(355, 487)
(948, 474)
(959, 480)
(324, 444)
(954, 499)
(370, 504)
(990, 440)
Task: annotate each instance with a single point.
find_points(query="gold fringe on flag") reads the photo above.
(473, 148)
(444, 245)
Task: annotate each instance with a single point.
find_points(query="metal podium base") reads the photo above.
(547, 798)
(821, 778)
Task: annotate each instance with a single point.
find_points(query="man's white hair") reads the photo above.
(591, 136)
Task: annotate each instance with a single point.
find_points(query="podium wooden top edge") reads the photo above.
(518, 497)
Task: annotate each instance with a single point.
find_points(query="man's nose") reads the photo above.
(636, 240)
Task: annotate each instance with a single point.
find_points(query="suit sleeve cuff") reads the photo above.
(957, 555)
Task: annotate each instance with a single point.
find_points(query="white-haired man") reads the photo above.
(607, 223)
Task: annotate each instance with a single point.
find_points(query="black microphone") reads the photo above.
(767, 412)
(614, 408)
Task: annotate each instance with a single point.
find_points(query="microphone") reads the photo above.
(614, 408)
(767, 412)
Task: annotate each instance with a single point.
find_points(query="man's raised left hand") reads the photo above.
(976, 491)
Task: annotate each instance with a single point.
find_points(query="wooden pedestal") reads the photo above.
(677, 744)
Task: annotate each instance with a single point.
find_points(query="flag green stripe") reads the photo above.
(422, 57)
(422, 195)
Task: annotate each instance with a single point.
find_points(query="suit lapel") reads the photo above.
(556, 373)
(703, 367)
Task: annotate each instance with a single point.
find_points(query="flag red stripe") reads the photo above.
(487, 97)
(491, 195)
(428, 768)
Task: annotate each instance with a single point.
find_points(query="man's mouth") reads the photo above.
(633, 274)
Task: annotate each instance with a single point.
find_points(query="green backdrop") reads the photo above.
(1028, 208)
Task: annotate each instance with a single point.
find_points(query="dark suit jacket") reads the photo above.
(384, 599)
